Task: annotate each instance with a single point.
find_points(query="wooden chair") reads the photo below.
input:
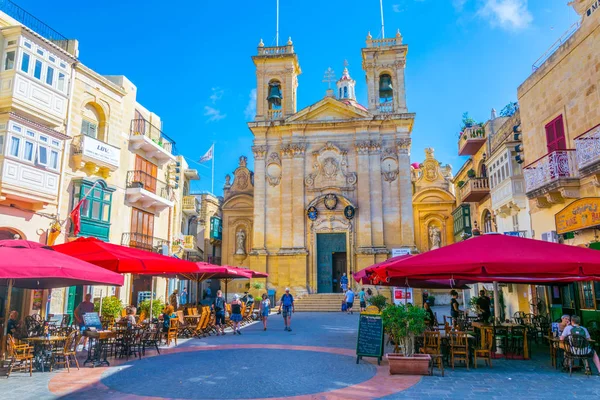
(432, 345)
(20, 356)
(199, 329)
(247, 317)
(184, 329)
(173, 330)
(151, 337)
(485, 352)
(459, 347)
(67, 354)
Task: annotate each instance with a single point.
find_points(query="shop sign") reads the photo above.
(400, 252)
(100, 151)
(402, 295)
(37, 299)
(580, 214)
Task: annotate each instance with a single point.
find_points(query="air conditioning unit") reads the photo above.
(551, 236)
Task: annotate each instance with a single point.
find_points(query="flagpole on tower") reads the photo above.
(382, 23)
(277, 32)
(212, 184)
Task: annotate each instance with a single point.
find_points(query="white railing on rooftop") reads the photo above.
(540, 61)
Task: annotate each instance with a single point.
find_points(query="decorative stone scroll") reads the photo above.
(274, 169)
(389, 165)
(330, 170)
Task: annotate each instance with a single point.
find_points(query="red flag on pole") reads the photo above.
(76, 217)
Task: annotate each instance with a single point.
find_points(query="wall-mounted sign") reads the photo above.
(349, 212)
(37, 299)
(216, 228)
(100, 151)
(402, 295)
(403, 251)
(580, 214)
(330, 201)
(593, 8)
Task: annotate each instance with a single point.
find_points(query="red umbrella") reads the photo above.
(206, 271)
(495, 257)
(364, 275)
(32, 265)
(124, 259)
(35, 266)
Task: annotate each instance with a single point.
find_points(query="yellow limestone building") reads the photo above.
(331, 187)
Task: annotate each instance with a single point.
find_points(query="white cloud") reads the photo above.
(459, 5)
(250, 111)
(213, 114)
(508, 14)
(397, 8)
(217, 94)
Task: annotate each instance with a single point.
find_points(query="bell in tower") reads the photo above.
(274, 98)
(386, 91)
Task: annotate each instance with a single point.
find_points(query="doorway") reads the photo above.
(331, 261)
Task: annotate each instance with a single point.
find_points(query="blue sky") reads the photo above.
(191, 59)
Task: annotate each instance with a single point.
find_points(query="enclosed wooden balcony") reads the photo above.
(190, 205)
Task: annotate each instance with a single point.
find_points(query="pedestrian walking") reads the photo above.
(218, 306)
(287, 303)
(349, 300)
(344, 282)
(236, 314)
(183, 296)
(264, 309)
(362, 298)
(173, 299)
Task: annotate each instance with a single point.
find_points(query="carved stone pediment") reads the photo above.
(330, 170)
(243, 180)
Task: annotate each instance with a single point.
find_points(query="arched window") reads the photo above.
(386, 90)
(483, 171)
(275, 95)
(345, 92)
(488, 224)
(340, 96)
(93, 122)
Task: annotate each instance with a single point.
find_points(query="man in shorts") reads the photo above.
(363, 301)
(349, 300)
(287, 303)
(219, 306)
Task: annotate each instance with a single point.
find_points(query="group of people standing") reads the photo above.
(349, 296)
(219, 306)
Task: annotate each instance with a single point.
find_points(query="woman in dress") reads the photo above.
(265, 309)
(236, 314)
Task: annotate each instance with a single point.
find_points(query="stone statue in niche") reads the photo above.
(435, 237)
(240, 243)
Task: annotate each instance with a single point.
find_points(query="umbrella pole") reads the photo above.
(151, 296)
(6, 315)
(100, 312)
(496, 301)
(197, 293)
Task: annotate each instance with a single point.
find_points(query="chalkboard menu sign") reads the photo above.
(92, 320)
(370, 337)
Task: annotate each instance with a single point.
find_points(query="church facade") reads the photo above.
(331, 190)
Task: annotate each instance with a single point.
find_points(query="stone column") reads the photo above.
(287, 180)
(363, 228)
(376, 193)
(298, 215)
(406, 210)
(400, 101)
(260, 198)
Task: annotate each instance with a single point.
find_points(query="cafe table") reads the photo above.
(97, 353)
(42, 350)
(555, 345)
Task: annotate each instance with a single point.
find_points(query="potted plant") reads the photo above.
(471, 173)
(157, 307)
(111, 307)
(378, 301)
(461, 184)
(403, 323)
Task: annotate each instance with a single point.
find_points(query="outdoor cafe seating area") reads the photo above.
(53, 344)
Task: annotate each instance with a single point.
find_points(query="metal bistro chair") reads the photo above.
(151, 337)
(516, 341)
(577, 347)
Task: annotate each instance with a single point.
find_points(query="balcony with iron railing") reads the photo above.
(475, 190)
(33, 23)
(552, 178)
(190, 205)
(144, 242)
(95, 155)
(386, 108)
(588, 151)
(147, 191)
(471, 139)
(153, 141)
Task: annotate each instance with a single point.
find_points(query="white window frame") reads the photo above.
(57, 161)
(51, 146)
(23, 54)
(33, 150)
(14, 51)
(19, 147)
(35, 64)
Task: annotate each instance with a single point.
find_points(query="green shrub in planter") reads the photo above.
(111, 307)
(471, 173)
(378, 301)
(404, 323)
(461, 184)
(157, 307)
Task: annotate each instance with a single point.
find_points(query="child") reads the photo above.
(236, 314)
(265, 308)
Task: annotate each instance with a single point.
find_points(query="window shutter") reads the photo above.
(550, 136)
(559, 129)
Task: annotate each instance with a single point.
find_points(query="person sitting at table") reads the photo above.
(565, 321)
(168, 314)
(483, 304)
(130, 318)
(13, 326)
(576, 329)
(454, 310)
(430, 317)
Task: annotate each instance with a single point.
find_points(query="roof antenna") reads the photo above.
(382, 23)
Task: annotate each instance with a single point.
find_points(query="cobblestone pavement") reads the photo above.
(314, 361)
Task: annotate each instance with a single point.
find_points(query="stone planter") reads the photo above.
(418, 364)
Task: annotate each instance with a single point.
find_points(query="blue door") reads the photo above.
(327, 245)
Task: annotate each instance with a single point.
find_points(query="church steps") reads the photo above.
(320, 302)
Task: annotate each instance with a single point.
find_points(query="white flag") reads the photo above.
(208, 156)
